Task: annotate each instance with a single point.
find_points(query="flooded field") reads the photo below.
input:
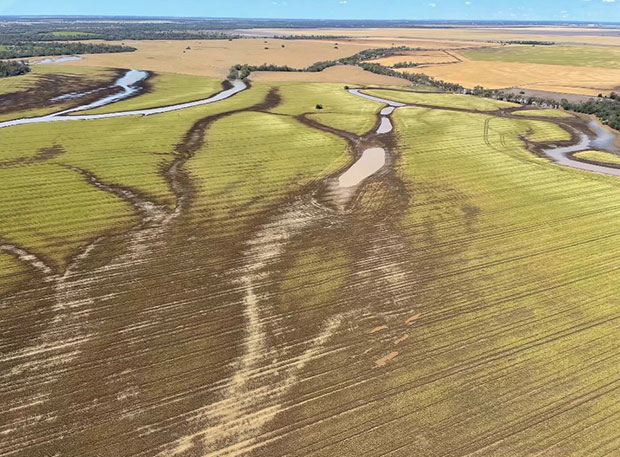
(397, 273)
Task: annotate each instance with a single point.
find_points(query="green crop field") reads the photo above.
(543, 113)
(581, 56)
(499, 290)
(599, 156)
(133, 156)
(240, 175)
(340, 109)
(267, 275)
(442, 100)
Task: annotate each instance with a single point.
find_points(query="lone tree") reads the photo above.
(319, 106)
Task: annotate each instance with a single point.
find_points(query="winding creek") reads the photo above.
(602, 139)
(128, 84)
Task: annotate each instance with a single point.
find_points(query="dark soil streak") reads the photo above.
(49, 87)
(178, 179)
(150, 212)
(42, 155)
(272, 100)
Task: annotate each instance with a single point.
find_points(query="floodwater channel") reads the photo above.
(603, 139)
(127, 83)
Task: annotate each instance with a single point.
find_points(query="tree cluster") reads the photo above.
(608, 111)
(25, 49)
(405, 65)
(13, 68)
(242, 71)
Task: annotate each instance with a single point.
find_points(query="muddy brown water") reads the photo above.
(385, 126)
(371, 161)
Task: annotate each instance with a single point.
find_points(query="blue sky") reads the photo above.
(569, 10)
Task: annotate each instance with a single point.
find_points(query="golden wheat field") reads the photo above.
(459, 43)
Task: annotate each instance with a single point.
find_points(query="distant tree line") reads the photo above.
(21, 50)
(312, 37)
(18, 32)
(242, 71)
(419, 79)
(404, 65)
(377, 53)
(521, 99)
(608, 111)
(13, 68)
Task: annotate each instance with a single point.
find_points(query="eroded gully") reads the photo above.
(268, 370)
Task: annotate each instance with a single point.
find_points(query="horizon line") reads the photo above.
(225, 18)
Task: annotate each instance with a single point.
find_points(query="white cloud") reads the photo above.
(432, 5)
(609, 1)
(468, 3)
